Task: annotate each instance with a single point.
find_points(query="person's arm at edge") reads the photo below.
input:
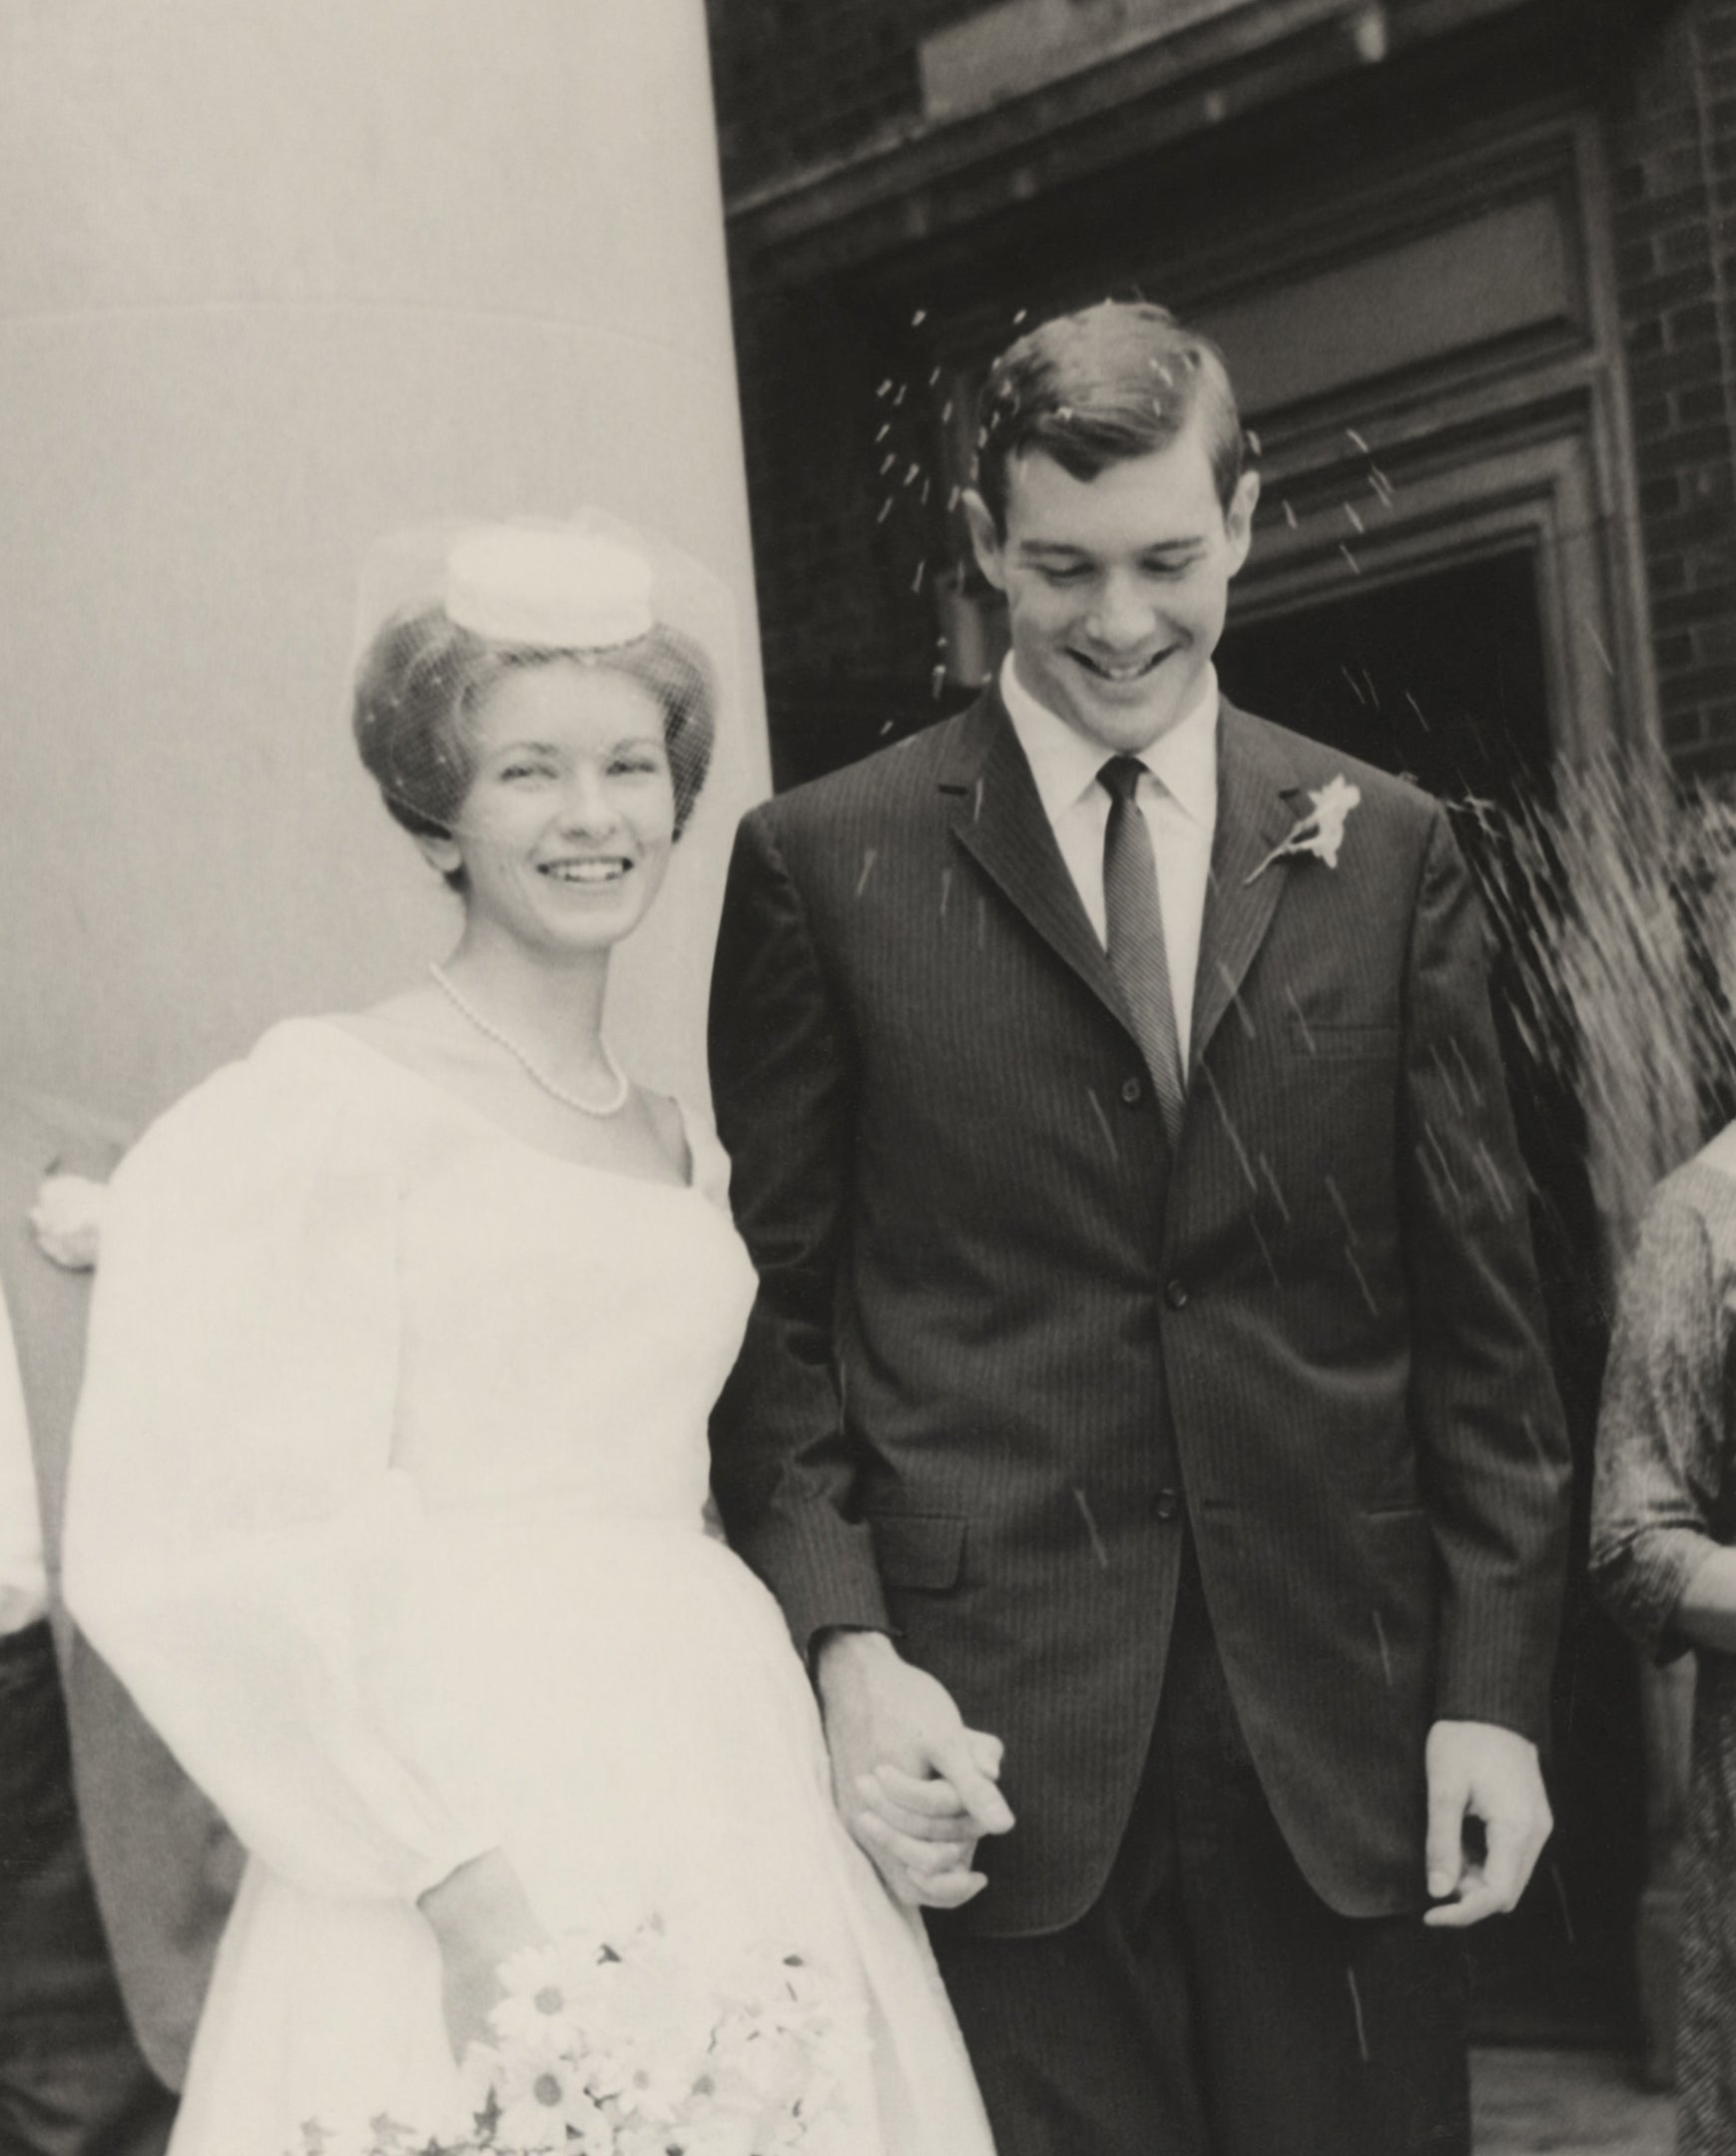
(1655, 1562)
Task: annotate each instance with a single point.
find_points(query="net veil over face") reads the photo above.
(450, 612)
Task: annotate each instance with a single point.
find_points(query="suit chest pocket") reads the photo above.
(1323, 1041)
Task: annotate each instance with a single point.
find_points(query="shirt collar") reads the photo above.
(1065, 764)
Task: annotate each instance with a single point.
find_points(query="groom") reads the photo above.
(1147, 1374)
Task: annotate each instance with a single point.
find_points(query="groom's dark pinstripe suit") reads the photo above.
(1009, 1354)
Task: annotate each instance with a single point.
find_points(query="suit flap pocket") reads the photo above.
(1336, 1043)
(919, 1549)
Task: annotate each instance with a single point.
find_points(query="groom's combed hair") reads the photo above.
(1091, 389)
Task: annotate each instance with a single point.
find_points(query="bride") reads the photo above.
(390, 1476)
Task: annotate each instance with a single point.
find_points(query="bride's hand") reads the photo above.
(481, 1917)
(914, 1786)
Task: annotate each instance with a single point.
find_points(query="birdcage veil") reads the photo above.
(448, 610)
(447, 607)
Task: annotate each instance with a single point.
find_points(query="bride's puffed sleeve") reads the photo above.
(236, 1532)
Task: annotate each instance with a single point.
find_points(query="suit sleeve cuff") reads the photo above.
(822, 1568)
(1511, 1692)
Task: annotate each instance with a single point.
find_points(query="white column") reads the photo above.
(275, 276)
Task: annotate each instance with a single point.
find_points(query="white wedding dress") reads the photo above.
(388, 1505)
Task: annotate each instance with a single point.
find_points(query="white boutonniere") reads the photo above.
(67, 1220)
(1321, 832)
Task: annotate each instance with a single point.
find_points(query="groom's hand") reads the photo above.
(1479, 1771)
(915, 1787)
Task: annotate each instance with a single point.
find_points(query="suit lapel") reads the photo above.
(1259, 802)
(999, 817)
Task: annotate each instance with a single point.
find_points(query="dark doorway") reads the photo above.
(1442, 676)
(1438, 675)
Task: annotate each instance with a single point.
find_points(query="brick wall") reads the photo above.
(1674, 143)
(847, 627)
(799, 84)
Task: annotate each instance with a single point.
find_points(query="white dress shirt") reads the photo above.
(1178, 797)
(23, 1575)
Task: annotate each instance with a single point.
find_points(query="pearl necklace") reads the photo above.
(618, 1097)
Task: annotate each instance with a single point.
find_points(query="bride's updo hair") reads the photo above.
(424, 675)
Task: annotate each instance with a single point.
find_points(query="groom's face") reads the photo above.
(1116, 586)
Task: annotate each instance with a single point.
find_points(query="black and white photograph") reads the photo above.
(867, 1078)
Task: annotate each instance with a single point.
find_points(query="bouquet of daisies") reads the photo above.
(614, 2048)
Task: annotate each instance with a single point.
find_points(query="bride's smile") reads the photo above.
(566, 829)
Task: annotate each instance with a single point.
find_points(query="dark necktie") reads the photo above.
(1136, 947)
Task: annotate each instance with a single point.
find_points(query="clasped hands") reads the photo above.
(916, 1789)
(914, 1785)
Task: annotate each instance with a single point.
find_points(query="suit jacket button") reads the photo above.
(1132, 1092)
(1176, 1294)
(1168, 1504)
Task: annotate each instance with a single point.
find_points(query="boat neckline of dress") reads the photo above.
(1719, 1172)
(342, 1030)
